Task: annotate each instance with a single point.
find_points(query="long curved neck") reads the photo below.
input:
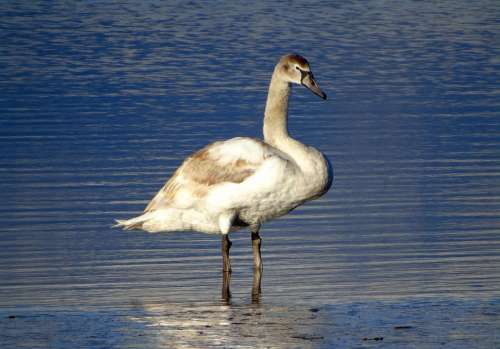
(276, 113)
(276, 128)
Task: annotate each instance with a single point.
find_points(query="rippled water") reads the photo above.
(100, 102)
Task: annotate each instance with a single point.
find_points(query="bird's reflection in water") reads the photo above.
(229, 322)
(256, 287)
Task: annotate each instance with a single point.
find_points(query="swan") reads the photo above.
(244, 182)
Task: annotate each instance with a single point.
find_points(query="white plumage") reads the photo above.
(243, 181)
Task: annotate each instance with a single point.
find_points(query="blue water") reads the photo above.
(101, 101)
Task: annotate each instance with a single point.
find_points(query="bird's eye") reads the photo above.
(297, 67)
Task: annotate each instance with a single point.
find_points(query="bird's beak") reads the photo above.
(308, 81)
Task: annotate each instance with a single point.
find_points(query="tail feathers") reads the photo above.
(169, 220)
(123, 223)
(130, 224)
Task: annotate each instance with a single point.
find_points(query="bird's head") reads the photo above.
(295, 69)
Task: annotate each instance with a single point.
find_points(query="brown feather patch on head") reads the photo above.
(294, 58)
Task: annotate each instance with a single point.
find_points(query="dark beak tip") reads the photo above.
(320, 94)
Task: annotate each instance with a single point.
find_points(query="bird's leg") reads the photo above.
(256, 243)
(256, 285)
(226, 286)
(225, 246)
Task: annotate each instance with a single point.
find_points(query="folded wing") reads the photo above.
(231, 161)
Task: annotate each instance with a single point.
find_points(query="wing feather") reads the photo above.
(232, 161)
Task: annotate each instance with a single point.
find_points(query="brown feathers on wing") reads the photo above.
(202, 170)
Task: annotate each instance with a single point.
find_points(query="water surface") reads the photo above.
(100, 102)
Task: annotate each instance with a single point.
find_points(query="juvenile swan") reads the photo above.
(243, 182)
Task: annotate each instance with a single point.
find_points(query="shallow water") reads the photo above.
(100, 103)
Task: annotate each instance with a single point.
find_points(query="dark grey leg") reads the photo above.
(256, 243)
(256, 286)
(226, 283)
(225, 246)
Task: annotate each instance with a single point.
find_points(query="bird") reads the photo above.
(243, 182)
